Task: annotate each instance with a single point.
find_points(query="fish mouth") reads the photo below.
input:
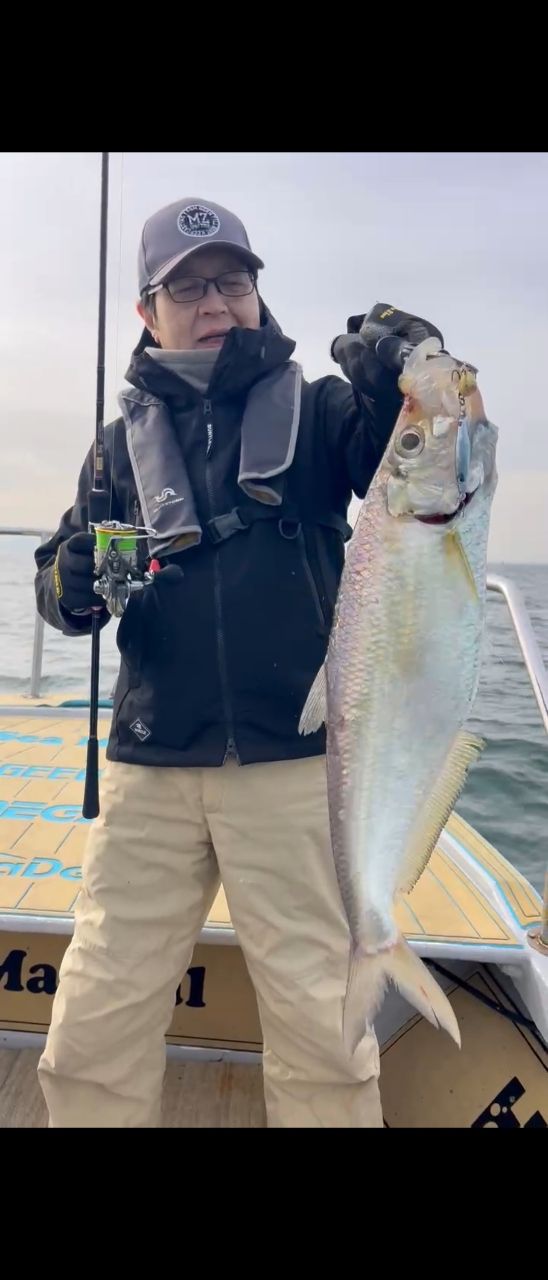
(446, 519)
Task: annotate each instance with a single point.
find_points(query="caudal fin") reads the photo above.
(367, 982)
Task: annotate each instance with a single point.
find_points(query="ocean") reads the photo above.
(506, 795)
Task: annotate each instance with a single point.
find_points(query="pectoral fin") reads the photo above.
(456, 552)
(315, 708)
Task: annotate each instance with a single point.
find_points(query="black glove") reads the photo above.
(73, 573)
(373, 351)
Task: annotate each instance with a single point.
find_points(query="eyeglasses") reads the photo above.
(232, 284)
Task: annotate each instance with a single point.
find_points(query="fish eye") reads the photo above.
(410, 443)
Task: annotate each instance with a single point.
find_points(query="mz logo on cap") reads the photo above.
(197, 220)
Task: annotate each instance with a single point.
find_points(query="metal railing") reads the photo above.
(527, 639)
(538, 677)
(38, 640)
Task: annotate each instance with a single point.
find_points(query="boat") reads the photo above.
(472, 916)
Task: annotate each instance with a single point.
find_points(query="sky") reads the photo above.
(457, 237)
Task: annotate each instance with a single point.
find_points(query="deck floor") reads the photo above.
(218, 1095)
(42, 761)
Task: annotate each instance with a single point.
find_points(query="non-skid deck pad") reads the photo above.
(43, 835)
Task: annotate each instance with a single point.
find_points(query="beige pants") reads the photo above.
(151, 870)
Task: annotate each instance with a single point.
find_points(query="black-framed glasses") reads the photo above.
(232, 284)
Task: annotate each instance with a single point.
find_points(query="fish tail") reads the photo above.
(365, 989)
(368, 978)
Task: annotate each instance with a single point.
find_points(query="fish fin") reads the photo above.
(368, 978)
(438, 807)
(365, 989)
(410, 975)
(455, 548)
(315, 708)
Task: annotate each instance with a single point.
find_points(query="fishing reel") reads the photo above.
(118, 575)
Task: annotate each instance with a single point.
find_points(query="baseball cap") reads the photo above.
(175, 232)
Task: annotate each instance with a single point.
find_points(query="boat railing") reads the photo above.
(23, 531)
(538, 676)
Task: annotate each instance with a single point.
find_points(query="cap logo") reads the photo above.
(198, 221)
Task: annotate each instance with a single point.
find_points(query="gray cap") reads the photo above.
(179, 229)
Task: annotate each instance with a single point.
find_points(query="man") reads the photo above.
(244, 471)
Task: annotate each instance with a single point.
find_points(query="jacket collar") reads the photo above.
(246, 356)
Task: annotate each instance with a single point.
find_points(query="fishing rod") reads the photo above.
(115, 557)
(98, 508)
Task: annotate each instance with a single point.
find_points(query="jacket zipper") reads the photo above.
(310, 577)
(231, 749)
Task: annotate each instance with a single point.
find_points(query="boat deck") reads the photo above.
(43, 834)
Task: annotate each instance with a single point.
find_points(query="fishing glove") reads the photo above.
(372, 352)
(73, 573)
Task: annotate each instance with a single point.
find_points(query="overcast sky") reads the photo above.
(460, 238)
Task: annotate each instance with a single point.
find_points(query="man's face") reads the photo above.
(195, 325)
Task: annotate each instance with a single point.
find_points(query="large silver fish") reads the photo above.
(402, 671)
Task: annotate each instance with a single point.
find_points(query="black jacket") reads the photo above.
(223, 658)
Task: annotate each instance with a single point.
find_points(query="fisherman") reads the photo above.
(245, 472)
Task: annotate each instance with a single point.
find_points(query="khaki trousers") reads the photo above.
(153, 864)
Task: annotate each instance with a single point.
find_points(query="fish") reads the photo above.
(401, 672)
